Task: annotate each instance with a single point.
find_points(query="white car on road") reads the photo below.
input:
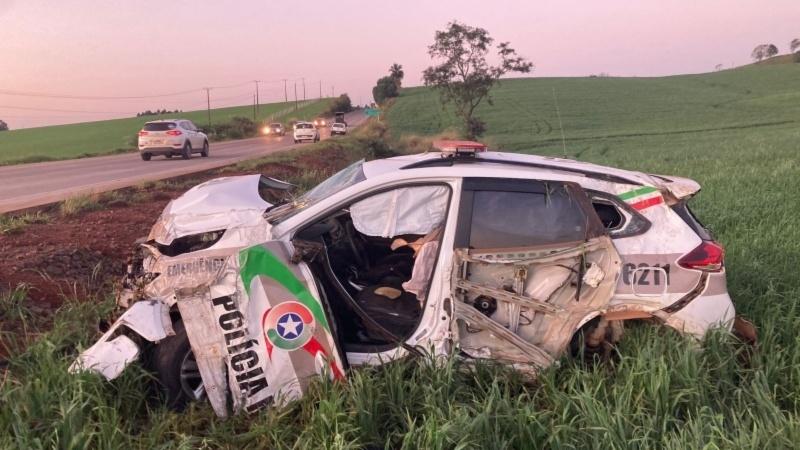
(172, 137)
(339, 128)
(305, 131)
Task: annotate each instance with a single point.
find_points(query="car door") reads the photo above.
(195, 138)
(260, 332)
(532, 264)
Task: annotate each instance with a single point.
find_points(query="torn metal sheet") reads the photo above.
(114, 351)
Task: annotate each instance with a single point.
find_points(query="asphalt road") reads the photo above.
(27, 185)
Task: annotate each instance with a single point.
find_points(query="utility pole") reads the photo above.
(258, 100)
(304, 89)
(332, 90)
(208, 102)
(295, 95)
(320, 89)
(254, 107)
(285, 95)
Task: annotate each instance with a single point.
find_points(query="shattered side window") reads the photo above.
(343, 179)
(519, 219)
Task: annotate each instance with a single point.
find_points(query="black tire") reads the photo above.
(204, 151)
(186, 151)
(146, 156)
(295, 141)
(176, 369)
(168, 155)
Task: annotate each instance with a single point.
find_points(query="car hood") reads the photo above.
(217, 204)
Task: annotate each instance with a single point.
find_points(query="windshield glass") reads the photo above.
(304, 125)
(159, 126)
(349, 176)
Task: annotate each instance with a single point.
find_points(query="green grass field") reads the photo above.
(736, 132)
(110, 136)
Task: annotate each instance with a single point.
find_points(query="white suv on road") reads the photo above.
(172, 137)
(305, 131)
(339, 128)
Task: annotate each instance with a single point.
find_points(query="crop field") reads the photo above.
(736, 132)
(110, 136)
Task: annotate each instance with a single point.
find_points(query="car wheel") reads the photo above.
(295, 141)
(204, 152)
(186, 152)
(168, 155)
(146, 156)
(176, 369)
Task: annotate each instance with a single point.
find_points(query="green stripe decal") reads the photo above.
(637, 192)
(258, 260)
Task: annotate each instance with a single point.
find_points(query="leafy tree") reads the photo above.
(463, 76)
(396, 72)
(794, 45)
(3, 126)
(341, 103)
(386, 88)
(764, 51)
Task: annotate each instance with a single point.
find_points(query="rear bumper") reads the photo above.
(161, 150)
(703, 314)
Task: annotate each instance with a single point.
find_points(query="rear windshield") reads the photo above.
(159, 126)
(275, 125)
(338, 125)
(304, 125)
(682, 208)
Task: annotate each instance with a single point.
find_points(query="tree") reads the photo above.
(794, 45)
(764, 51)
(341, 103)
(3, 126)
(463, 76)
(718, 67)
(384, 89)
(396, 72)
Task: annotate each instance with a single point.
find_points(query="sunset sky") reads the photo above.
(139, 48)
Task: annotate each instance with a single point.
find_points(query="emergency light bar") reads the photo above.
(459, 148)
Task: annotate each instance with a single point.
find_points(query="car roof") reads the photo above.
(522, 165)
(165, 120)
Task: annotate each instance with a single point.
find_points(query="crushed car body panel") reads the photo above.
(218, 204)
(114, 350)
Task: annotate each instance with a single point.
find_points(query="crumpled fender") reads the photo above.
(114, 351)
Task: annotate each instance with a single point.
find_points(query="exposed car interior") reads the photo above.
(375, 279)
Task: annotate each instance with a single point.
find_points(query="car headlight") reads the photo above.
(265, 130)
(191, 243)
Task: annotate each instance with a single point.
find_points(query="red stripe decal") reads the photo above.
(646, 203)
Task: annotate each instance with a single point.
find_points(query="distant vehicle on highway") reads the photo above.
(320, 122)
(339, 118)
(172, 137)
(274, 129)
(305, 131)
(339, 128)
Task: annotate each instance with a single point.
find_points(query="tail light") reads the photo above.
(143, 133)
(707, 257)
(174, 133)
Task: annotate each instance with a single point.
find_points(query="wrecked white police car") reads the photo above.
(498, 255)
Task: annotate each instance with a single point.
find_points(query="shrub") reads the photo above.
(341, 103)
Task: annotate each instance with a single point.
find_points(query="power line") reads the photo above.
(25, 108)
(127, 97)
